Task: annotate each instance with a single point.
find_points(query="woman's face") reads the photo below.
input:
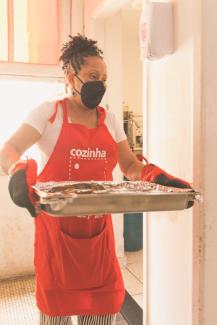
(93, 69)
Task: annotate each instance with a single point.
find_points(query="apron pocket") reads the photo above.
(84, 263)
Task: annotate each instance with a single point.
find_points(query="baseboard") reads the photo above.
(131, 311)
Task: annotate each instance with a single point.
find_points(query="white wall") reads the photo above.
(17, 236)
(182, 115)
(169, 131)
(132, 65)
(209, 163)
(89, 6)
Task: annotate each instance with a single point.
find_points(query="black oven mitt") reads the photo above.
(154, 174)
(22, 176)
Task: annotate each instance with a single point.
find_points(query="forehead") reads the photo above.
(93, 63)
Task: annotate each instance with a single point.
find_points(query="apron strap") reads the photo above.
(63, 104)
(53, 116)
(65, 115)
(101, 112)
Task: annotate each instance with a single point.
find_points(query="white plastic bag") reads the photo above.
(156, 30)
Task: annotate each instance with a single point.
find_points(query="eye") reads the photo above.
(93, 77)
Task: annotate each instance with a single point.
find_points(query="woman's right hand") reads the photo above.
(22, 176)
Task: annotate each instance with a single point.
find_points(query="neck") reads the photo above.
(80, 114)
(76, 105)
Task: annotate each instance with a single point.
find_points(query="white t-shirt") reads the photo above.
(39, 117)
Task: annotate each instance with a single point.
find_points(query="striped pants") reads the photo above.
(81, 320)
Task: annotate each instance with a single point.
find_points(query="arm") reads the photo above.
(22, 173)
(129, 164)
(16, 145)
(134, 170)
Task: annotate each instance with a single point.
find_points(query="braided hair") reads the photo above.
(75, 50)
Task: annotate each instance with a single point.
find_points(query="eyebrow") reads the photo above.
(93, 71)
(96, 71)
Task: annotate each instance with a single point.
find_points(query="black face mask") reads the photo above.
(91, 93)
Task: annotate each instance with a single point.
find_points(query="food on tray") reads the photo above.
(77, 188)
(71, 188)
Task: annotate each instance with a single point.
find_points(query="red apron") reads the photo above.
(77, 271)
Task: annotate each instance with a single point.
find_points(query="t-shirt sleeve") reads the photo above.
(39, 116)
(115, 127)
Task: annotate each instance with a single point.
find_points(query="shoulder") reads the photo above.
(46, 108)
(39, 116)
(110, 116)
(115, 126)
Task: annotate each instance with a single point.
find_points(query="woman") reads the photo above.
(77, 272)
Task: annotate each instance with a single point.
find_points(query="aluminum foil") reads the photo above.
(72, 189)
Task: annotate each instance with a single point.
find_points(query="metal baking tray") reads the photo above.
(96, 198)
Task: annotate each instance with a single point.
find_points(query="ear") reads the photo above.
(69, 77)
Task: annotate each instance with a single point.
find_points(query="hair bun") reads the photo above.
(76, 49)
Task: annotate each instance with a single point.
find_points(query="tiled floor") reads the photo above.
(133, 275)
(17, 296)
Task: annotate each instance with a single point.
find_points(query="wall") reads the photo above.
(89, 6)
(17, 236)
(132, 65)
(182, 287)
(209, 163)
(170, 107)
